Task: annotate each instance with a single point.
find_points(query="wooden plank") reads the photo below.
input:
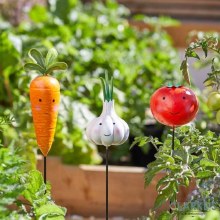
(82, 189)
(175, 2)
(177, 12)
(180, 33)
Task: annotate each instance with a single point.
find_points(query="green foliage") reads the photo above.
(208, 43)
(19, 186)
(195, 155)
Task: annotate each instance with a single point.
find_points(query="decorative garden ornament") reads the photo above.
(174, 106)
(45, 98)
(108, 129)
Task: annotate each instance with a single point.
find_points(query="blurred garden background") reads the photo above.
(139, 42)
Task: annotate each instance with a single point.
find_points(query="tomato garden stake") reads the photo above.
(108, 129)
(45, 98)
(174, 106)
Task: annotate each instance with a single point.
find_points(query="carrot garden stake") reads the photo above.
(108, 129)
(45, 98)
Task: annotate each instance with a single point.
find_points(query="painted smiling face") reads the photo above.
(108, 129)
(174, 106)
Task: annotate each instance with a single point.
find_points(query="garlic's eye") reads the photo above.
(100, 123)
(113, 123)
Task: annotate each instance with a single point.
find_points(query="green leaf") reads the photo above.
(160, 200)
(51, 57)
(192, 53)
(208, 163)
(185, 71)
(112, 88)
(35, 186)
(165, 194)
(34, 66)
(50, 210)
(149, 175)
(56, 66)
(205, 48)
(37, 57)
(36, 11)
(205, 174)
(165, 216)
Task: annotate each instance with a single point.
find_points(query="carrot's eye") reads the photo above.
(53, 100)
(40, 100)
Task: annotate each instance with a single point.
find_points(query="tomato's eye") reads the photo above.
(100, 123)
(164, 98)
(40, 100)
(184, 97)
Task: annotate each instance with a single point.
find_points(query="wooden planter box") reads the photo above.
(81, 189)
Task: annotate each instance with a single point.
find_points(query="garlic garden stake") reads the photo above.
(108, 129)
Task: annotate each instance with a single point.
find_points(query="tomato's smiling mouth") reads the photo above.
(174, 113)
(107, 134)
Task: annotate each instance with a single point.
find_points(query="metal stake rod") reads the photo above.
(45, 170)
(173, 136)
(173, 139)
(106, 183)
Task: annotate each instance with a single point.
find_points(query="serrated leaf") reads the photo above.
(149, 175)
(185, 71)
(162, 181)
(50, 210)
(205, 174)
(208, 163)
(165, 216)
(160, 200)
(205, 49)
(193, 54)
(56, 66)
(37, 57)
(51, 57)
(165, 194)
(35, 67)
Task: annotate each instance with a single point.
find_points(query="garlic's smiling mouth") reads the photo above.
(107, 134)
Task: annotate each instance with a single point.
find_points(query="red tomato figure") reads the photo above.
(174, 106)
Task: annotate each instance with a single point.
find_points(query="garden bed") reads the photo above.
(81, 189)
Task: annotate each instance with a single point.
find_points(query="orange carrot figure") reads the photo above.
(44, 97)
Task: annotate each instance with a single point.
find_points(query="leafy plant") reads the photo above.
(195, 156)
(22, 191)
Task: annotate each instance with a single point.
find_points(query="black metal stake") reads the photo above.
(173, 135)
(45, 170)
(173, 143)
(106, 173)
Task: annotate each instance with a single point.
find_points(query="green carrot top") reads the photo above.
(44, 65)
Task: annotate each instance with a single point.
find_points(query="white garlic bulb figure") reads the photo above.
(108, 129)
